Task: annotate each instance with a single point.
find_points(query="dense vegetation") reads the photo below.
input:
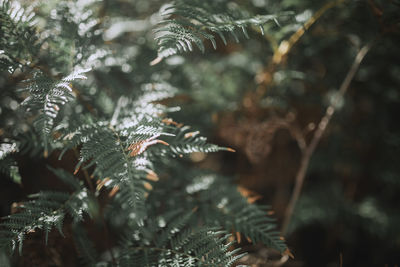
(105, 107)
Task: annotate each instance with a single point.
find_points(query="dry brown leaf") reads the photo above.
(195, 209)
(288, 253)
(101, 183)
(252, 200)
(152, 176)
(156, 61)
(77, 170)
(169, 121)
(251, 196)
(191, 134)
(238, 237)
(141, 146)
(231, 238)
(113, 191)
(271, 212)
(148, 186)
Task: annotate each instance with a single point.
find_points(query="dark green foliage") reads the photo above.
(104, 153)
(46, 98)
(98, 108)
(17, 36)
(234, 212)
(186, 142)
(188, 23)
(220, 204)
(172, 242)
(45, 211)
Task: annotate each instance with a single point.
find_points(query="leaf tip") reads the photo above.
(288, 253)
(156, 61)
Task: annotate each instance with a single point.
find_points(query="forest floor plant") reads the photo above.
(85, 131)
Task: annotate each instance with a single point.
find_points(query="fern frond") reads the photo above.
(220, 204)
(113, 151)
(186, 141)
(195, 21)
(178, 244)
(45, 211)
(116, 155)
(76, 74)
(172, 228)
(235, 213)
(131, 197)
(120, 131)
(17, 36)
(46, 97)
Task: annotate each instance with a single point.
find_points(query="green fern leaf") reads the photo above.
(46, 97)
(195, 21)
(45, 211)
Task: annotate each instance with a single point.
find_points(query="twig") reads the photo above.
(285, 47)
(308, 152)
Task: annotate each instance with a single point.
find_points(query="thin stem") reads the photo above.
(85, 173)
(308, 152)
(285, 47)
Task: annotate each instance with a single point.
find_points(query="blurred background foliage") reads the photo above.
(348, 209)
(254, 96)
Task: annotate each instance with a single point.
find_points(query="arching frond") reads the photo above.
(178, 244)
(115, 128)
(47, 96)
(186, 141)
(189, 23)
(45, 211)
(220, 204)
(231, 210)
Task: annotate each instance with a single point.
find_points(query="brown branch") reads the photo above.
(301, 173)
(285, 46)
(281, 52)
